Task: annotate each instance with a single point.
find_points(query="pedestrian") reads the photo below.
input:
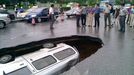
(132, 17)
(107, 15)
(90, 16)
(51, 14)
(78, 15)
(122, 17)
(84, 13)
(129, 13)
(97, 15)
(61, 13)
(116, 16)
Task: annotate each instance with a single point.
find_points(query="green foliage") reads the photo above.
(92, 2)
(117, 2)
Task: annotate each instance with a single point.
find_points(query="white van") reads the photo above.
(46, 61)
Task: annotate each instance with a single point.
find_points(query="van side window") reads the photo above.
(64, 54)
(44, 62)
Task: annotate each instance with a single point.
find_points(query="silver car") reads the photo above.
(46, 61)
(71, 12)
(4, 20)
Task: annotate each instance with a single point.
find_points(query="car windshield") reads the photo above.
(44, 62)
(22, 71)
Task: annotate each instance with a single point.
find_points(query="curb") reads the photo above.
(17, 20)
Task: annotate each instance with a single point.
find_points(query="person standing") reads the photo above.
(129, 13)
(116, 16)
(122, 17)
(107, 14)
(132, 17)
(51, 14)
(78, 15)
(84, 15)
(97, 15)
(90, 16)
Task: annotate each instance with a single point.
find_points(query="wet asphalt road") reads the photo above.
(114, 58)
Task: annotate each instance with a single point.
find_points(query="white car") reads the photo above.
(23, 14)
(46, 61)
(4, 20)
(127, 6)
(71, 12)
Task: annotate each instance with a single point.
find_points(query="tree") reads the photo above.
(117, 2)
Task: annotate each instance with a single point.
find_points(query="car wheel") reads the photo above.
(49, 45)
(39, 20)
(2, 24)
(6, 58)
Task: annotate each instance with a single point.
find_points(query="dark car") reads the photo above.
(11, 15)
(77, 41)
(39, 14)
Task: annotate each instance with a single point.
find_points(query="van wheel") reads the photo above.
(49, 45)
(2, 24)
(6, 58)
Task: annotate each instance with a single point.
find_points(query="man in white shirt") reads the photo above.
(78, 15)
(122, 17)
(51, 14)
(107, 14)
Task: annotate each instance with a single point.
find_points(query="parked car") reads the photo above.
(38, 14)
(127, 6)
(46, 61)
(23, 14)
(4, 20)
(71, 12)
(11, 15)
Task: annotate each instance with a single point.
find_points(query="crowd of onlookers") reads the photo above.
(130, 19)
(119, 16)
(86, 15)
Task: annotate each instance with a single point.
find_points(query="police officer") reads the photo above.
(84, 15)
(97, 15)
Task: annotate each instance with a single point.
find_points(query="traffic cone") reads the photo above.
(33, 21)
